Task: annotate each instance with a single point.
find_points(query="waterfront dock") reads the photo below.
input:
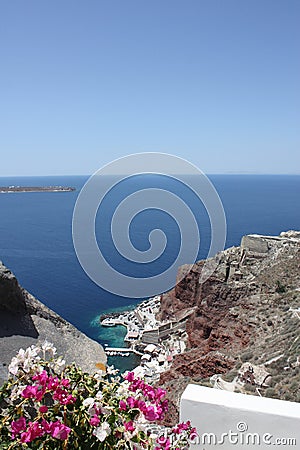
(120, 351)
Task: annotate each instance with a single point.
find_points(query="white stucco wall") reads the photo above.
(240, 421)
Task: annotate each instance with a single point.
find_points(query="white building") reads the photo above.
(228, 420)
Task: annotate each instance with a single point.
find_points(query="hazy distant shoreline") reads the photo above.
(8, 189)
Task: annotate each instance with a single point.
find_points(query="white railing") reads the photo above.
(227, 420)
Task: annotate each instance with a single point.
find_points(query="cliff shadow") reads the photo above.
(17, 325)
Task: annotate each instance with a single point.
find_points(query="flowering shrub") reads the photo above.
(47, 405)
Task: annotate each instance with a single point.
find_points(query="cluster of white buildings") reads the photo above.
(157, 342)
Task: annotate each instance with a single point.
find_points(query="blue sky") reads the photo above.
(85, 82)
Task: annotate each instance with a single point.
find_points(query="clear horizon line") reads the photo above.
(206, 173)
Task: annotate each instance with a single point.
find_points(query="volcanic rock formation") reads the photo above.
(24, 321)
(247, 310)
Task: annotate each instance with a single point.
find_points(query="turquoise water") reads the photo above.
(114, 337)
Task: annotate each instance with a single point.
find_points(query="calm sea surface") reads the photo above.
(36, 237)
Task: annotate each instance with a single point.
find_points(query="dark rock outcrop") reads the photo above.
(11, 296)
(25, 321)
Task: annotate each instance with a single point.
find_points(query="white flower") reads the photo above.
(102, 432)
(123, 389)
(141, 422)
(14, 366)
(21, 354)
(58, 365)
(25, 359)
(48, 347)
(30, 352)
(92, 411)
(99, 395)
(110, 370)
(105, 410)
(27, 366)
(93, 407)
(88, 402)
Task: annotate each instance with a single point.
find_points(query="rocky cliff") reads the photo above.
(247, 311)
(24, 321)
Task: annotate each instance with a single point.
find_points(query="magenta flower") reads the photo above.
(53, 383)
(59, 430)
(94, 421)
(30, 392)
(17, 426)
(151, 414)
(36, 392)
(41, 377)
(193, 434)
(122, 405)
(65, 382)
(182, 427)
(43, 409)
(46, 426)
(129, 426)
(141, 405)
(34, 430)
(160, 393)
(131, 402)
(63, 396)
(130, 376)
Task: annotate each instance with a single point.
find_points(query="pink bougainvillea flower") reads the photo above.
(181, 427)
(193, 434)
(129, 426)
(41, 377)
(151, 414)
(30, 392)
(129, 376)
(65, 382)
(34, 430)
(59, 430)
(94, 421)
(160, 393)
(131, 402)
(63, 396)
(43, 409)
(53, 383)
(36, 392)
(17, 426)
(46, 426)
(122, 405)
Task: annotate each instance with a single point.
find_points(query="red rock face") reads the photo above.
(215, 336)
(232, 310)
(213, 326)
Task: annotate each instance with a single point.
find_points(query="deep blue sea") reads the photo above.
(36, 237)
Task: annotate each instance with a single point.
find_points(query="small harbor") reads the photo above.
(155, 342)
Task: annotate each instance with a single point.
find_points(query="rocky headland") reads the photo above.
(8, 189)
(24, 321)
(243, 333)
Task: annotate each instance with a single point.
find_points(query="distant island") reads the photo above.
(7, 189)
